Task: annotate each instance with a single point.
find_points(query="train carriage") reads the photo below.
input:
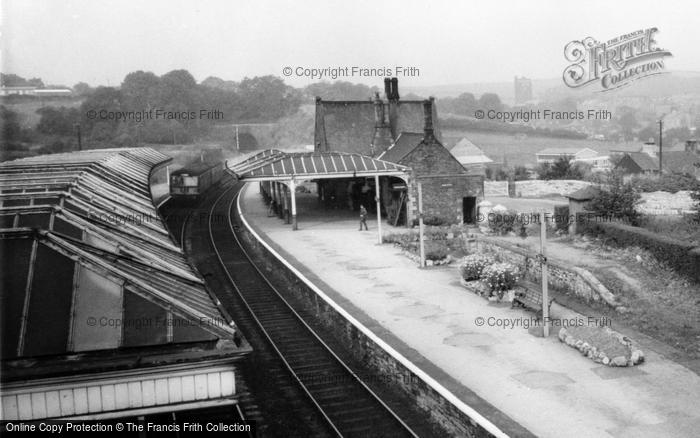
(189, 182)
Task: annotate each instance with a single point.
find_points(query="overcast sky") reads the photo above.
(99, 42)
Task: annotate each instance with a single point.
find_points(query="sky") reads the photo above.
(449, 42)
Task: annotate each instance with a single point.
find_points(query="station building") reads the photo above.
(403, 133)
(102, 316)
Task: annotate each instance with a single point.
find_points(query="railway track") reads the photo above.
(347, 404)
(266, 392)
(313, 384)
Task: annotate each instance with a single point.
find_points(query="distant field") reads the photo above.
(521, 150)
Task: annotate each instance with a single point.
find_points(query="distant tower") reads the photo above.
(523, 90)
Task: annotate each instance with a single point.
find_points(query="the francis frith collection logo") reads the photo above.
(614, 63)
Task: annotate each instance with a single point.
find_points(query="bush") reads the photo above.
(671, 183)
(499, 278)
(434, 220)
(682, 256)
(473, 265)
(502, 223)
(437, 253)
(619, 202)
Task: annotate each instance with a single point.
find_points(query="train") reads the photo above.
(191, 181)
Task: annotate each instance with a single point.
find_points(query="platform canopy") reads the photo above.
(274, 165)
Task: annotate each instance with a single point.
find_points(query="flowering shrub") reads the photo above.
(473, 265)
(499, 278)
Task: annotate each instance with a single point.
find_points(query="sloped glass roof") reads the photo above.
(87, 263)
(276, 165)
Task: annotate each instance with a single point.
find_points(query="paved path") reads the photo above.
(542, 384)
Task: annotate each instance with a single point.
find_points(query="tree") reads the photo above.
(267, 98)
(57, 121)
(12, 80)
(82, 89)
(618, 201)
(106, 100)
(490, 101)
(214, 82)
(11, 128)
(176, 91)
(465, 104)
(139, 90)
(340, 90)
(562, 168)
(520, 173)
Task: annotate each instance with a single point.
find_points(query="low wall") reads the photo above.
(495, 188)
(570, 279)
(533, 188)
(537, 188)
(450, 413)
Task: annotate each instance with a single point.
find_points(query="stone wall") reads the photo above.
(495, 188)
(665, 203)
(539, 188)
(561, 276)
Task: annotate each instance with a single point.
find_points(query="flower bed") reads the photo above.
(602, 345)
(442, 244)
(499, 278)
(473, 264)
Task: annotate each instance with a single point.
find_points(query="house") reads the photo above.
(369, 126)
(637, 163)
(449, 191)
(685, 162)
(404, 133)
(471, 157)
(550, 155)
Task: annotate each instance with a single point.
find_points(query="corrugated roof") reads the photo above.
(312, 165)
(87, 242)
(405, 143)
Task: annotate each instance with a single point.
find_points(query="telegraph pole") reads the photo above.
(545, 279)
(77, 133)
(661, 145)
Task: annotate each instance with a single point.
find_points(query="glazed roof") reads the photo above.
(87, 242)
(276, 165)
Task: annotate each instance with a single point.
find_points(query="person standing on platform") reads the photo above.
(363, 217)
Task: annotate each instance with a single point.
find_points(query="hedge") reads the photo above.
(681, 256)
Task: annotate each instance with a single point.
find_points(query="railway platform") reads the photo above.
(459, 339)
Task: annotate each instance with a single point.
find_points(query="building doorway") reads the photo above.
(469, 209)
